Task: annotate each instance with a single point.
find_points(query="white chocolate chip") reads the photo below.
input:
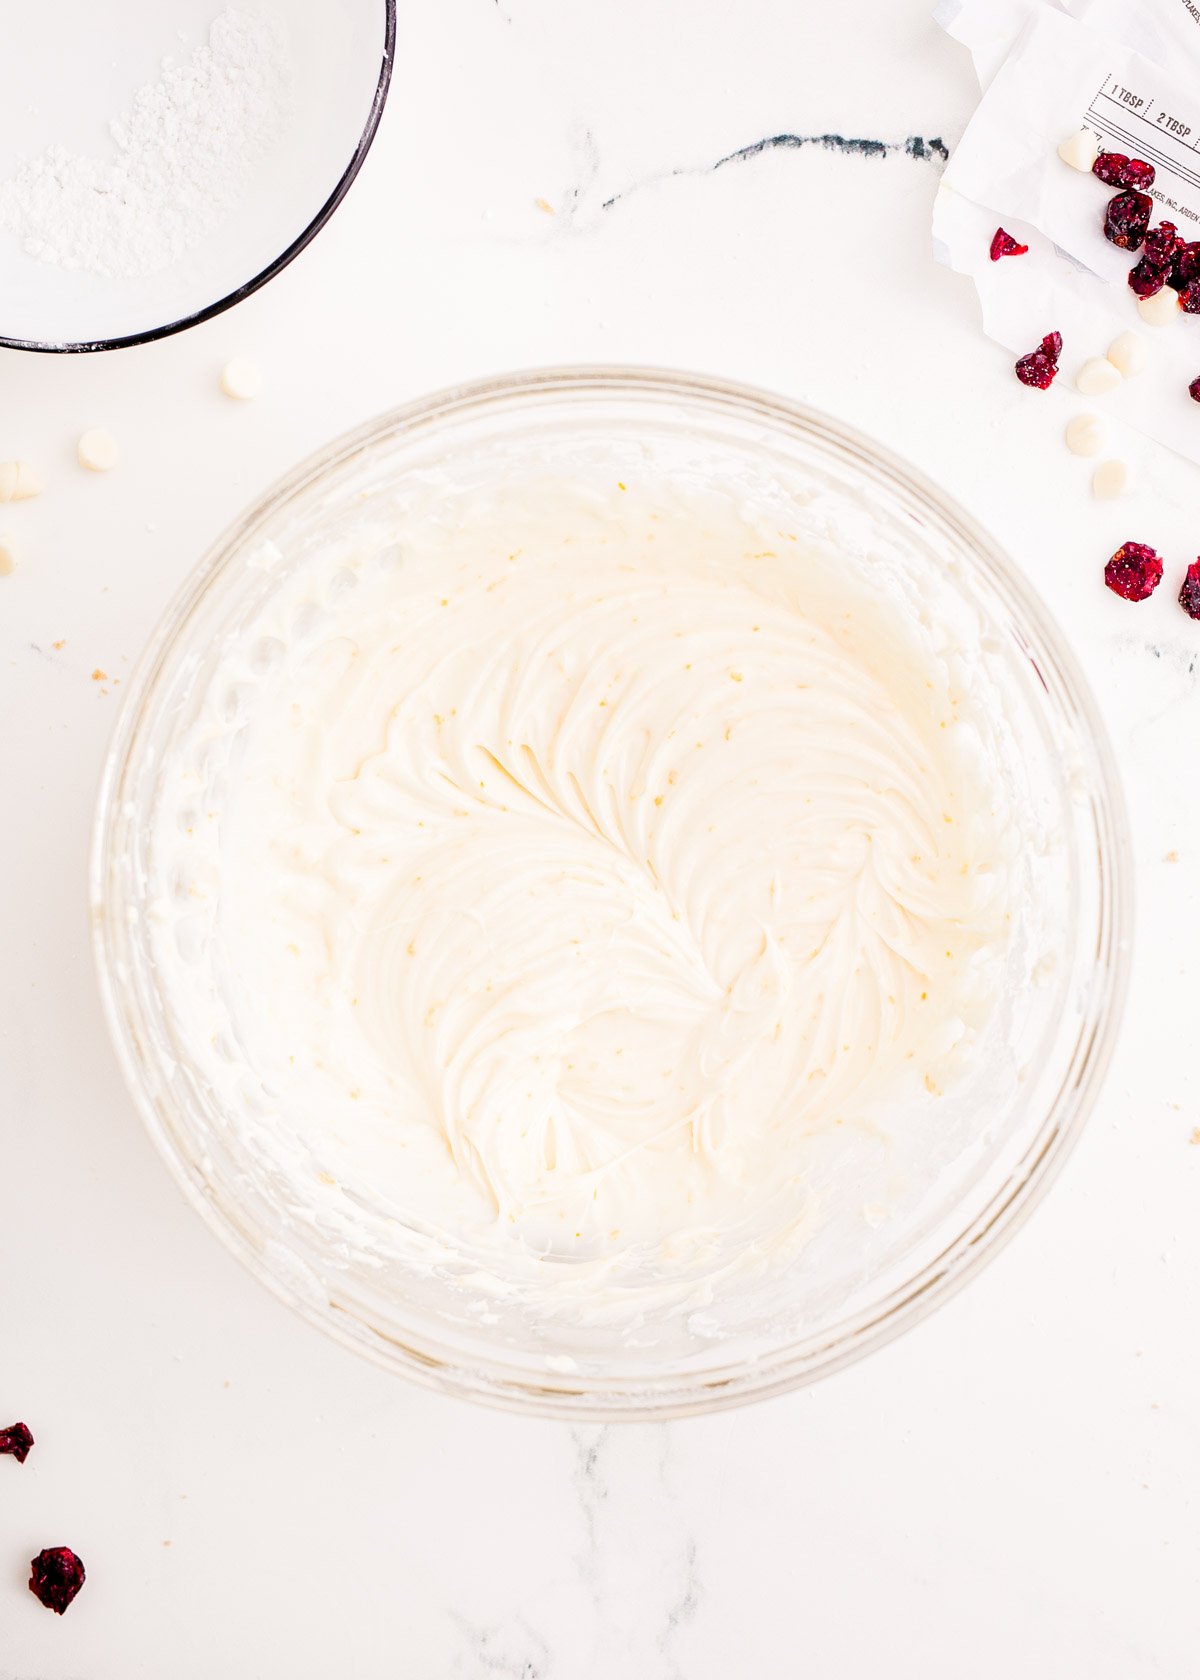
(1127, 354)
(1086, 434)
(241, 379)
(97, 450)
(1110, 480)
(8, 557)
(1161, 309)
(1080, 150)
(18, 481)
(1097, 376)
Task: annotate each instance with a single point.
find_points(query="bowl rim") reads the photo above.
(125, 341)
(966, 1253)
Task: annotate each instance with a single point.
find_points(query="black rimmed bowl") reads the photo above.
(81, 69)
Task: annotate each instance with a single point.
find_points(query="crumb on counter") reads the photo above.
(1127, 353)
(1080, 150)
(1086, 434)
(97, 450)
(1097, 376)
(19, 481)
(241, 379)
(1161, 308)
(1110, 480)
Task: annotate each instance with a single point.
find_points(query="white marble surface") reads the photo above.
(1011, 1489)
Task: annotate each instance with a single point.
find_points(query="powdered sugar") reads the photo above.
(183, 153)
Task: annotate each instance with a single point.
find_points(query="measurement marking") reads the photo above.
(1145, 116)
(1152, 154)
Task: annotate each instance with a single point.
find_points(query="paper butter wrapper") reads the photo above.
(1047, 71)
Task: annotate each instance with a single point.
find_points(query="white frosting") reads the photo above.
(560, 875)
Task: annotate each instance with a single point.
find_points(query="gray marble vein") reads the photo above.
(628, 1586)
(640, 1560)
(916, 146)
(512, 1650)
(933, 150)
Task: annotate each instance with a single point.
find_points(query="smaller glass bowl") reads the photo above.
(77, 62)
(1061, 1034)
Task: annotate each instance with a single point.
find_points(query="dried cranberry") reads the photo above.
(1110, 168)
(1116, 170)
(1134, 572)
(1147, 278)
(1039, 367)
(1162, 242)
(55, 1577)
(1194, 389)
(1127, 218)
(1036, 370)
(1153, 268)
(1185, 266)
(1004, 245)
(16, 1441)
(1189, 594)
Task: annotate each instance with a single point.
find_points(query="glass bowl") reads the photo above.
(82, 66)
(1059, 1032)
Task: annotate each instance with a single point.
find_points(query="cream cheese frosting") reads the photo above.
(558, 874)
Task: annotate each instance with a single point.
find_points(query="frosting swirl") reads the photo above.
(575, 864)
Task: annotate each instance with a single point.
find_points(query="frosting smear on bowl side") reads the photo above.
(558, 876)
